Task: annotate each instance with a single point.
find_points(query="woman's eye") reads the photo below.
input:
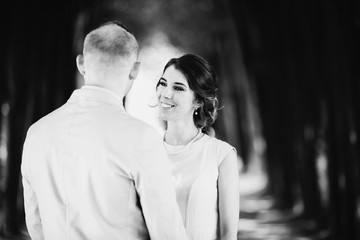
(178, 88)
(162, 83)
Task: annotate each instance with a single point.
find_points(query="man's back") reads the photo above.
(88, 166)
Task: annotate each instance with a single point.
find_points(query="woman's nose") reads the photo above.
(167, 93)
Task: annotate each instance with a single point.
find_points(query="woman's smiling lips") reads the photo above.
(166, 105)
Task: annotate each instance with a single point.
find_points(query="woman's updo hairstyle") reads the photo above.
(202, 80)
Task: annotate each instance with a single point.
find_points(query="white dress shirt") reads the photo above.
(92, 172)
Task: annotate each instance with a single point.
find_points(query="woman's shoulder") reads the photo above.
(219, 147)
(219, 143)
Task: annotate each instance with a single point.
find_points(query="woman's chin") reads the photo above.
(164, 117)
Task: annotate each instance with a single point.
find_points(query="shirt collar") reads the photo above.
(98, 94)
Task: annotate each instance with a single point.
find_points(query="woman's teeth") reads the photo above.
(165, 105)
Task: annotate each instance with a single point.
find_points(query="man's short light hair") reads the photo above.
(111, 41)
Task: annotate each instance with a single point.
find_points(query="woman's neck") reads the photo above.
(180, 133)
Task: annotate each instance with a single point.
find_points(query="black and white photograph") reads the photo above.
(180, 120)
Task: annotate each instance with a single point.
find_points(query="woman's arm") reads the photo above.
(229, 202)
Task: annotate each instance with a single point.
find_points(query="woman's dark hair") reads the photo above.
(202, 80)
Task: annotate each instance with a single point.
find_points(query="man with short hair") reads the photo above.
(90, 170)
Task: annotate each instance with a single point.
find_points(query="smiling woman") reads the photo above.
(187, 100)
(176, 99)
(194, 76)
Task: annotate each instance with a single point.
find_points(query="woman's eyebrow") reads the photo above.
(175, 83)
(179, 83)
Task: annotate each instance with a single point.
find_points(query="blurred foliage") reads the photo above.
(189, 25)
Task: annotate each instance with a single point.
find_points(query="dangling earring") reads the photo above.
(196, 112)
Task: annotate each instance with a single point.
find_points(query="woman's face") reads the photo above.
(175, 98)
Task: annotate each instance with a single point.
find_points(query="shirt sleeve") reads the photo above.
(32, 214)
(156, 188)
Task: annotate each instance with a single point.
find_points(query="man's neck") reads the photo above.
(115, 90)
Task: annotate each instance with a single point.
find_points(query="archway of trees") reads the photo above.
(289, 86)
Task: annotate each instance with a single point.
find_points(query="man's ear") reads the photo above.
(134, 71)
(80, 64)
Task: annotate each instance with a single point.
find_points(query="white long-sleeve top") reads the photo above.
(92, 172)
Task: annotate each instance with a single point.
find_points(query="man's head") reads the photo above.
(109, 58)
